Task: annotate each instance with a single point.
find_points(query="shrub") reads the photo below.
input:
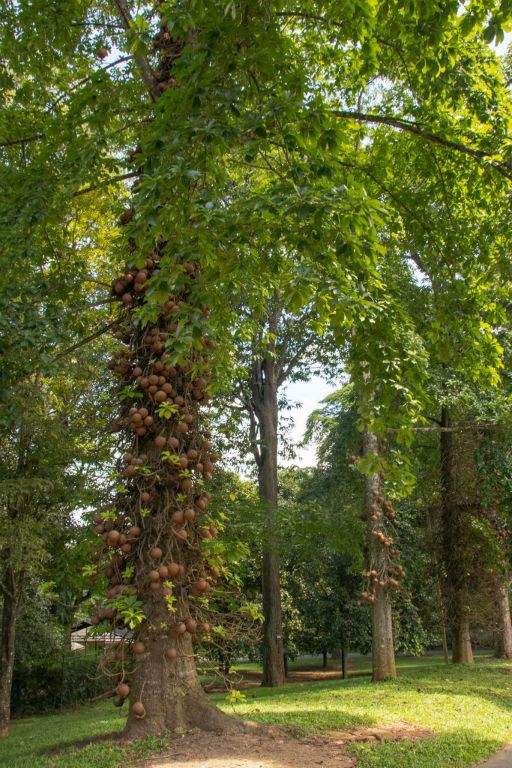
(43, 685)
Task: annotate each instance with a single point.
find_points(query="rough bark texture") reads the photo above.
(169, 689)
(267, 412)
(383, 652)
(504, 634)
(455, 506)
(9, 615)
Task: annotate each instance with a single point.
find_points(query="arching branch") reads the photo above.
(409, 126)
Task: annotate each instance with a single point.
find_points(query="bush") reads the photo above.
(43, 685)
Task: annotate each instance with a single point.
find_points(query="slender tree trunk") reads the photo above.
(8, 635)
(504, 635)
(344, 663)
(439, 591)
(273, 648)
(383, 652)
(455, 547)
(324, 659)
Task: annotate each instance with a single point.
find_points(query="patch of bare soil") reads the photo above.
(396, 731)
(252, 679)
(274, 748)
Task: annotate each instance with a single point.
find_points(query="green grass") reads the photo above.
(468, 709)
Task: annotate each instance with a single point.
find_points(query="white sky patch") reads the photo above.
(308, 396)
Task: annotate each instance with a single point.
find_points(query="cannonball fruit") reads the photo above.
(138, 709)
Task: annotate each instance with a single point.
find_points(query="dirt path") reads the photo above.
(274, 748)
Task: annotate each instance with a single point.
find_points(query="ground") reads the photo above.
(433, 716)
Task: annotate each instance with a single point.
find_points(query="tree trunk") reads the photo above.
(273, 648)
(9, 616)
(344, 663)
(383, 652)
(455, 547)
(324, 659)
(462, 652)
(169, 689)
(504, 636)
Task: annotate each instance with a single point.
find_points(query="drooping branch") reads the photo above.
(409, 126)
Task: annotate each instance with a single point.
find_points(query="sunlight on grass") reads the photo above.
(468, 709)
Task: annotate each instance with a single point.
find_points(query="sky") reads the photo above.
(307, 395)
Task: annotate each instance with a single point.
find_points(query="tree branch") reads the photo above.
(142, 63)
(87, 339)
(409, 126)
(112, 180)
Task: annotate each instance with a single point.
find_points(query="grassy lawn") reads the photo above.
(468, 709)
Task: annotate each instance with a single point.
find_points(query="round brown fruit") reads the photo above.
(156, 553)
(183, 535)
(113, 538)
(171, 653)
(138, 710)
(173, 569)
(134, 532)
(154, 575)
(178, 517)
(189, 514)
(191, 625)
(139, 647)
(163, 572)
(160, 441)
(123, 690)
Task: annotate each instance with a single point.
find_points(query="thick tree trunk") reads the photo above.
(169, 689)
(462, 652)
(504, 634)
(273, 649)
(383, 652)
(455, 547)
(9, 616)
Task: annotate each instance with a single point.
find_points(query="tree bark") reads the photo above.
(344, 663)
(455, 546)
(504, 635)
(169, 689)
(9, 616)
(273, 648)
(383, 652)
